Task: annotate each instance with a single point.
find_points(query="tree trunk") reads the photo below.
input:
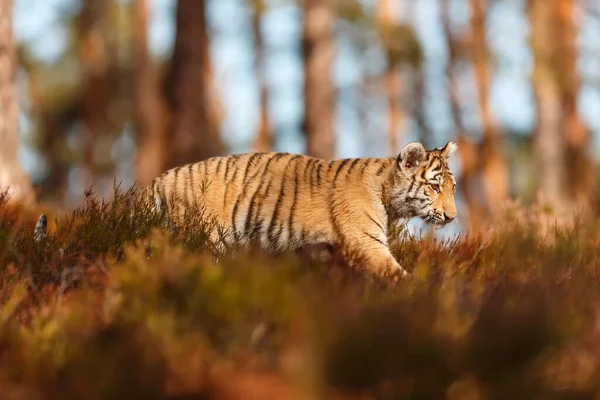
(420, 98)
(452, 87)
(264, 139)
(96, 83)
(12, 177)
(548, 143)
(318, 50)
(420, 80)
(148, 107)
(492, 163)
(577, 139)
(192, 135)
(468, 151)
(214, 106)
(387, 23)
(53, 186)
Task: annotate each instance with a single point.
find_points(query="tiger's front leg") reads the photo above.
(369, 250)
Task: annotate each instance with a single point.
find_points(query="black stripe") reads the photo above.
(380, 170)
(412, 184)
(235, 173)
(302, 236)
(356, 160)
(232, 182)
(233, 227)
(309, 165)
(279, 201)
(278, 236)
(191, 181)
(202, 173)
(319, 168)
(240, 197)
(374, 238)
(342, 165)
(170, 196)
(274, 158)
(386, 205)
(227, 166)
(257, 172)
(331, 164)
(257, 223)
(293, 208)
(375, 222)
(176, 180)
(186, 191)
(219, 161)
(333, 214)
(365, 165)
(162, 195)
(251, 160)
(311, 176)
(153, 190)
(248, 222)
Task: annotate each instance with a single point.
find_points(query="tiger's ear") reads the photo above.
(411, 156)
(449, 149)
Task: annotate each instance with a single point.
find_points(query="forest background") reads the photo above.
(126, 89)
(106, 304)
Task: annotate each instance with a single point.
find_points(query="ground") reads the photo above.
(109, 305)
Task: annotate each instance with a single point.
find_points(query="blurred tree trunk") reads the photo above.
(148, 107)
(96, 83)
(214, 106)
(420, 97)
(54, 184)
(548, 143)
(192, 136)
(264, 140)
(318, 49)
(420, 79)
(468, 151)
(387, 25)
(577, 139)
(452, 87)
(492, 162)
(12, 176)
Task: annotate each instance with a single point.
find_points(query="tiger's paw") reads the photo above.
(398, 275)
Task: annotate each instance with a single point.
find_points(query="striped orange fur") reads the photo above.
(283, 201)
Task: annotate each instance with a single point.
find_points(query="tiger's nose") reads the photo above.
(449, 217)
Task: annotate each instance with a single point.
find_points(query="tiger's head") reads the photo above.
(423, 185)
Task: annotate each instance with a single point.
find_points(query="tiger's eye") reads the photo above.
(436, 188)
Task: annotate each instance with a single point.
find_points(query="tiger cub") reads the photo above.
(284, 201)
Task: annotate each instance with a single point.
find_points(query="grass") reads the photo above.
(110, 305)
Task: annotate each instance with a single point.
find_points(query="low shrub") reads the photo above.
(113, 305)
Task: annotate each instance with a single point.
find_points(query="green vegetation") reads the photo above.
(110, 305)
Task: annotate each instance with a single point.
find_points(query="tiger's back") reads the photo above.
(277, 200)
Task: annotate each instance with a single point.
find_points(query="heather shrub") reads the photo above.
(112, 304)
